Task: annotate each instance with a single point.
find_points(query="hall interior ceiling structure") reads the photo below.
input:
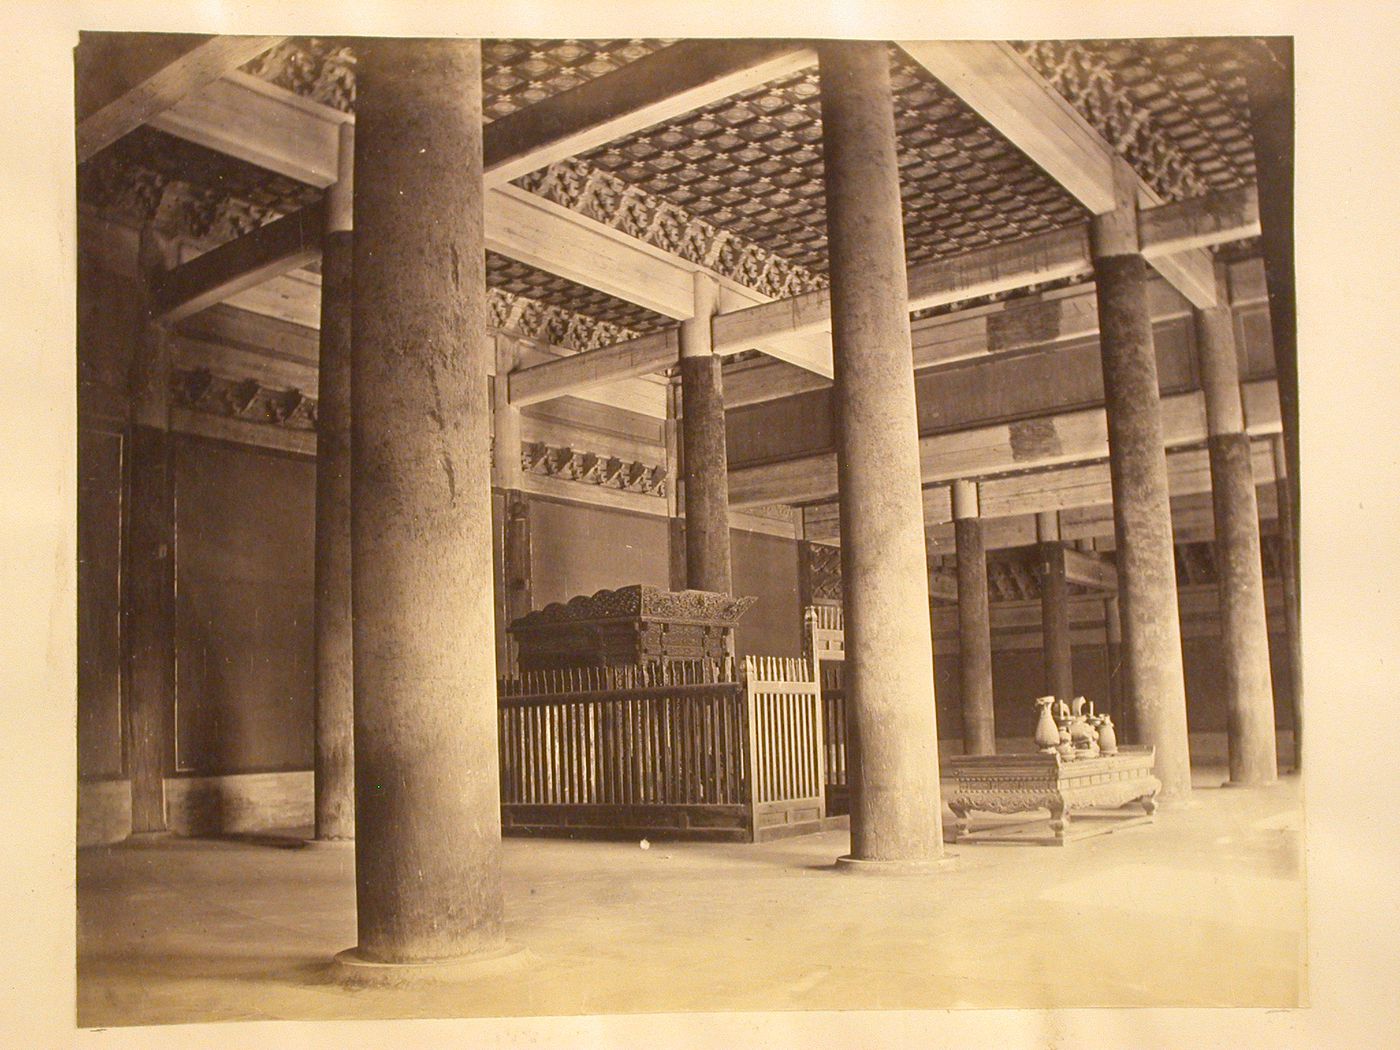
(1006, 152)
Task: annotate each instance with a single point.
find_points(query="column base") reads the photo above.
(141, 839)
(349, 967)
(859, 866)
(330, 844)
(1249, 783)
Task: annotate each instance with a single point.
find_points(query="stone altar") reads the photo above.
(1097, 786)
(629, 626)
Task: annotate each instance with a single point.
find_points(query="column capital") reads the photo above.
(1116, 232)
(1047, 526)
(966, 503)
(696, 337)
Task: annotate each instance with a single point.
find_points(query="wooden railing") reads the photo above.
(785, 742)
(679, 747)
(826, 645)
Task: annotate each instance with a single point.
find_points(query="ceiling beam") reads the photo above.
(661, 86)
(245, 262)
(1200, 222)
(140, 75)
(1090, 570)
(1005, 90)
(1000, 448)
(579, 372)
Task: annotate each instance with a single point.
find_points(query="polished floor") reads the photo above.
(1203, 908)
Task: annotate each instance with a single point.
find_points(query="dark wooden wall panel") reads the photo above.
(245, 529)
(99, 603)
(579, 549)
(766, 567)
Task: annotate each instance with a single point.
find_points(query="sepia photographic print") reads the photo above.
(785, 523)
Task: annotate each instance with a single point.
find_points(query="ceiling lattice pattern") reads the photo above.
(752, 165)
(514, 73)
(519, 73)
(522, 280)
(1176, 109)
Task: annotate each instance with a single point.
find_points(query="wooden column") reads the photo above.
(149, 588)
(508, 476)
(675, 531)
(1056, 648)
(974, 623)
(1137, 459)
(704, 456)
(1288, 571)
(1113, 653)
(335, 673)
(427, 805)
(896, 824)
(1244, 630)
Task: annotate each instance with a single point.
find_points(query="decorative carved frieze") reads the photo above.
(589, 468)
(315, 68)
(201, 390)
(824, 570)
(1116, 105)
(551, 324)
(605, 197)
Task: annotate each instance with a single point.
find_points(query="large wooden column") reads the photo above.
(335, 677)
(974, 623)
(1244, 631)
(895, 807)
(149, 586)
(427, 806)
(703, 450)
(1056, 649)
(1156, 686)
(1113, 656)
(1288, 571)
(508, 476)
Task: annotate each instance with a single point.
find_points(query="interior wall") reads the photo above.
(579, 549)
(245, 677)
(766, 567)
(99, 603)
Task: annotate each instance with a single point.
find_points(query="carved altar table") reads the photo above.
(1096, 788)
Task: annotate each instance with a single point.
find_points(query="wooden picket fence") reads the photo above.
(684, 747)
(826, 645)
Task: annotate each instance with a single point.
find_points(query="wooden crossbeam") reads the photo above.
(125, 79)
(1006, 91)
(942, 587)
(650, 353)
(1201, 222)
(1090, 570)
(981, 452)
(284, 244)
(652, 90)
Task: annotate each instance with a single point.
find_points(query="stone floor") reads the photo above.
(1203, 908)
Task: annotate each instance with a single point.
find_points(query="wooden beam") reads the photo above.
(1003, 88)
(652, 90)
(1090, 570)
(983, 271)
(980, 452)
(942, 587)
(284, 244)
(1006, 91)
(248, 118)
(140, 75)
(1200, 222)
(650, 353)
